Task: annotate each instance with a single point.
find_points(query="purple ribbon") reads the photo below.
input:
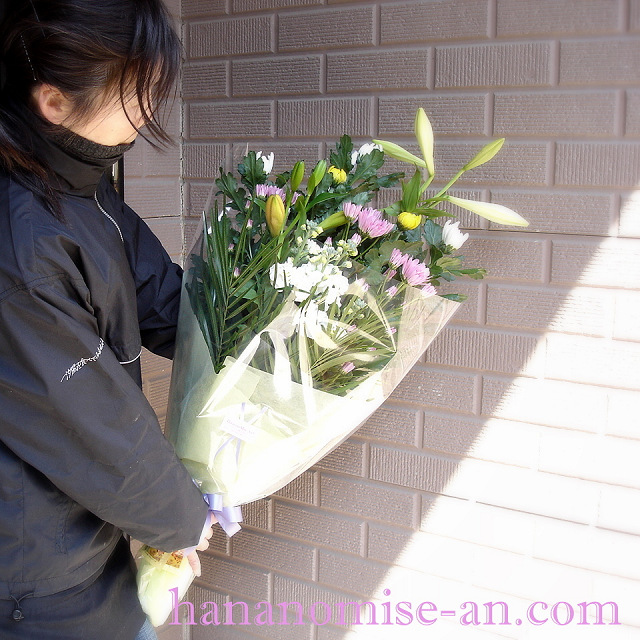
(228, 517)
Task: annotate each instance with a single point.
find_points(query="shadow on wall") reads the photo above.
(504, 467)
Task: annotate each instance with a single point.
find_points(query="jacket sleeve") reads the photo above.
(158, 283)
(73, 413)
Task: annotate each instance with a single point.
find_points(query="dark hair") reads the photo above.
(89, 49)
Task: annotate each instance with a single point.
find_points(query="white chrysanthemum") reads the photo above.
(325, 281)
(452, 235)
(267, 161)
(364, 150)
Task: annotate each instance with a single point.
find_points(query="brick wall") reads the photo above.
(505, 466)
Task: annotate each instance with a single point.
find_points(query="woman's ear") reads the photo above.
(51, 103)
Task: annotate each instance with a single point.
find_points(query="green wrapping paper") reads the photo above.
(163, 579)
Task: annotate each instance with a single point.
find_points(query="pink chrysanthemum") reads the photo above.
(266, 190)
(352, 211)
(397, 259)
(356, 238)
(373, 224)
(429, 290)
(348, 367)
(391, 291)
(416, 273)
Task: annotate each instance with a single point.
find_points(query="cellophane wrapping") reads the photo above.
(270, 413)
(159, 575)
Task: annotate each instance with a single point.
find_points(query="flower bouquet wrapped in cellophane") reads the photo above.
(302, 309)
(299, 387)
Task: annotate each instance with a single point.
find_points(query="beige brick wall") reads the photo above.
(505, 466)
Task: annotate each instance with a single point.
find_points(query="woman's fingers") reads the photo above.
(194, 561)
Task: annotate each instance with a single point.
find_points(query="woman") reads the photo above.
(83, 285)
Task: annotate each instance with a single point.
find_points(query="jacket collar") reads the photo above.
(77, 164)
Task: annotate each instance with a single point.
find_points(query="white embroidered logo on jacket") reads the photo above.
(73, 369)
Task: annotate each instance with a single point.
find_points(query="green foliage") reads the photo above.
(230, 300)
(251, 168)
(230, 287)
(341, 157)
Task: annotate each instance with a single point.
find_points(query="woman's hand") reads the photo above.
(203, 545)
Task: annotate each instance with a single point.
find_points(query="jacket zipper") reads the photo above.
(95, 197)
(115, 224)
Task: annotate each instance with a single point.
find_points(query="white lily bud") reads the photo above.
(424, 135)
(494, 212)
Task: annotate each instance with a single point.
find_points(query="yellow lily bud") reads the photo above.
(409, 220)
(339, 175)
(275, 214)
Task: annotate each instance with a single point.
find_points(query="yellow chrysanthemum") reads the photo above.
(409, 220)
(339, 175)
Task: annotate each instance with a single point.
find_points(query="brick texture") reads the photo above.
(327, 28)
(278, 76)
(460, 114)
(632, 122)
(207, 80)
(236, 36)
(598, 164)
(611, 62)
(440, 20)
(370, 71)
(494, 65)
(326, 117)
(562, 17)
(634, 19)
(504, 465)
(555, 114)
(231, 119)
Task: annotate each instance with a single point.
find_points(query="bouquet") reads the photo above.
(303, 307)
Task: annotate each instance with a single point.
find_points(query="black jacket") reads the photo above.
(82, 456)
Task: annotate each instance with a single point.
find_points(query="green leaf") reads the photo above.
(432, 232)
(393, 209)
(412, 235)
(322, 197)
(448, 262)
(251, 168)
(456, 297)
(384, 182)
(368, 165)
(433, 213)
(341, 158)
(411, 192)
